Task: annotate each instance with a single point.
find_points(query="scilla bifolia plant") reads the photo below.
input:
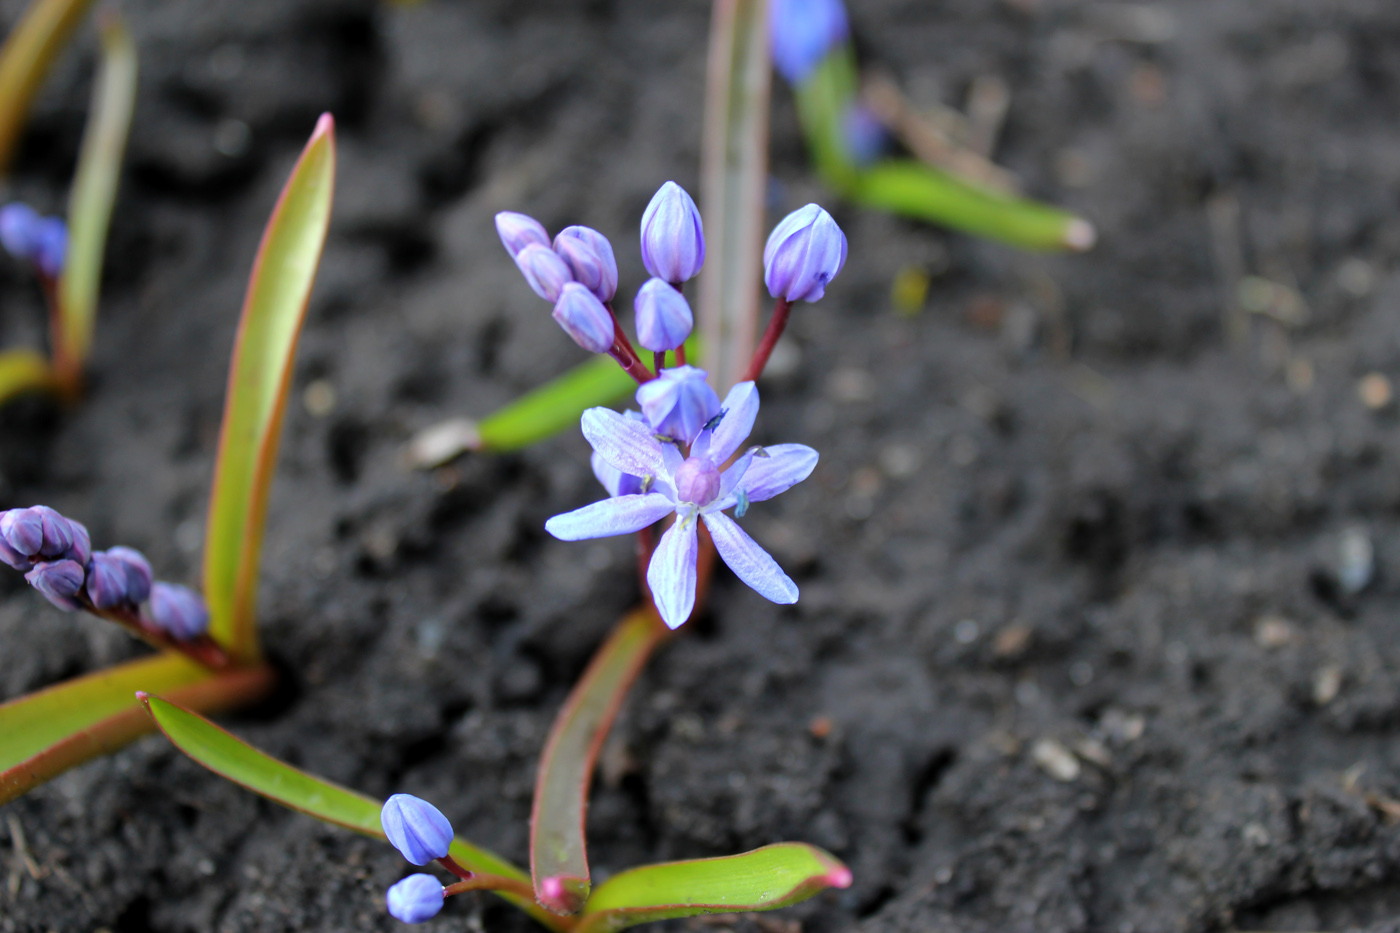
(209, 656)
(65, 258)
(677, 465)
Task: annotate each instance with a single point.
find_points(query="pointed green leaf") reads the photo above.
(734, 181)
(229, 756)
(764, 879)
(95, 190)
(259, 380)
(558, 851)
(25, 59)
(23, 371)
(45, 733)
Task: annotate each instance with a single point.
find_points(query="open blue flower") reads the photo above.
(694, 487)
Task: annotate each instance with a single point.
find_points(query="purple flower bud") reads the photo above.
(106, 581)
(697, 481)
(678, 403)
(138, 572)
(664, 319)
(545, 272)
(590, 258)
(518, 231)
(866, 137)
(673, 236)
(12, 557)
(416, 898)
(804, 252)
(18, 225)
(584, 318)
(81, 550)
(50, 246)
(22, 530)
(416, 828)
(803, 31)
(59, 581)
(178, 611)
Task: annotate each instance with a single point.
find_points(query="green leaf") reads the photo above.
(558, 850)
(764, 879)
(94, 193)
(25, 59)
(45, 733)
(734, 181)
(556, 405)
(230, 757)
(922, 192)
(23, 371)
(259, 379)
(823, 98)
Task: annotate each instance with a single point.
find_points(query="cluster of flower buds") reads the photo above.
(577, 272)
(422, 834)
(40, 241)
(55, 553)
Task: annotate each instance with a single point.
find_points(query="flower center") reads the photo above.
(697, 481)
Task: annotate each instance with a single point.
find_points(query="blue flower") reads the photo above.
(178, 611)
(415, 899)
(59, 581)
(694, 487)
(590, 259)
(545, 272)
(804, 252)
(664, 318)
(516, 231)
(673, 236)
(678, 403)
(416, 828)
(803, 31)
(584, 318)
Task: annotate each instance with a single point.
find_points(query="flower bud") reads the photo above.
(804, 252)
(22, 530)
(545, 272)
(178, 611)
(803, 31)
(81, 549)
(678, 403)
(416, 898)
(673, 236)
(697, 481)
(50, 246)
(664, 318)
(518, 231)
(584, 318)
(106, 581)
(18, 225)
(589, 256)
(59, 581)
(416, 828)
(138, 572)
(12, 557)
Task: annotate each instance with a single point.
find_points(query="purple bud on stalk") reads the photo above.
(678, 403)
(584, 318)
(518, 231)
(673, 236)
(12, 557)
(59, 581)
(415, 899)
(545, 272)
(416, 828)
(23, 531)
(138, 572)
(18, 226)
(664, 319)
(803, 32)
(81, 549)
(106, 581)
(805, 251)
(51, 246)
(178, 611)
(589, 256)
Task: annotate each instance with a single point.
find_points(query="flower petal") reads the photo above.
(740, 408)
(785, 466)
(624, 443)
(671, 574)
(607, 474)
(617, 516)
(737, 471)
(749, 562)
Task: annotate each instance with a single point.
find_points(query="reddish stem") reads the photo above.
(776, 325)
(680, 355)
(66, 369)
(452, 865)
(202, 650)
(658, 359)
(625, 354)
(480, 882)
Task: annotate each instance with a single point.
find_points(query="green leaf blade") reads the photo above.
(765, 879)
(558, 849)
(23, 371)
(259, 381)
(95, 191)
(25, 59)
(555, 406)
(45, 733)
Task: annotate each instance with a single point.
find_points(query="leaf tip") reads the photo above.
(325, 126)
(839, 877)
(144, 699)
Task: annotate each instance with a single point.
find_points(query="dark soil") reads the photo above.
(1078, 599)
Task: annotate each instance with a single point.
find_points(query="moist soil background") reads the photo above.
(1099, 614)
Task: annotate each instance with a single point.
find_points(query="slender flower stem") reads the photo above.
(680, 355)
(658, 360)
(776, 325)
(625, 354)
(202, 650)
(67, 371)
(480, 882)
(452, 865)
